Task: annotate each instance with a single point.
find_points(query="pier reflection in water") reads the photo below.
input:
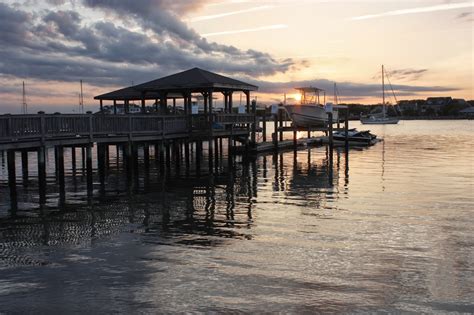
(290, 231)
(161, 201)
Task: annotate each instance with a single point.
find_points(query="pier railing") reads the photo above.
(19, 127)
(225, 119)
(46, 126)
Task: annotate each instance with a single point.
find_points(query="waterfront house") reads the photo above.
(467, 112)
(434, 105)
(410, 107)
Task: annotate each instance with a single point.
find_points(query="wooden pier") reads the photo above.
(168, 132)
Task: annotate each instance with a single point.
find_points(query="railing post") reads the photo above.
(330, 131)
(130, 126)
(162, 127)
(9, 127)
(91, 126)
(42, 127)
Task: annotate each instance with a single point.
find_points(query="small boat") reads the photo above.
(376, 120)
(380, 119)
(309, 113)
(356, 137)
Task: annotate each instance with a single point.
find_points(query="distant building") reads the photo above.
(459, 101)
(410, 106)
(434, 105)
(467, 112)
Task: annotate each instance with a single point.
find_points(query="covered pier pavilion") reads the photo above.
(182, 86)
(169, 131)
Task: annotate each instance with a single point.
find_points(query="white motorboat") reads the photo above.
(309, 113)
(380, 119)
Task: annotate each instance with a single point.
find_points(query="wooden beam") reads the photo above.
(247, 97)
(226, 101)
(205, 95)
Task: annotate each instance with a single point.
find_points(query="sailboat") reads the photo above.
(380, 119)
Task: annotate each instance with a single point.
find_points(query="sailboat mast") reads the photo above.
(383, 92)
(24, 105)
(81, 101)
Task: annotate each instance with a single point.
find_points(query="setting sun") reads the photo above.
(297, 97)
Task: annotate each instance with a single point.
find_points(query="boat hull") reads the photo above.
(379, 121)
(354, 136)
(309, 115)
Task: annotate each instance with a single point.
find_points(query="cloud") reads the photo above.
(60, 45)
(403, 74)
(435, 8)
(221, 15)
(13, 25)
(465, 16)
(346, 89)
(248, 30)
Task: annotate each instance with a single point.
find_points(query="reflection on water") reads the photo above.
(387, 228)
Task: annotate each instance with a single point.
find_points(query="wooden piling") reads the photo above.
(12, 175)
(107, 156)
(60, 170)
(187, 156)
(83, 153)
(101, 164)
(24, 166)
(157, 152)
(295, 140)
(90, 187)
(127, 161)
(275, 132)
(346, 129)
(264, 127)
(73, 160)
(146, 156)
(330, 135)
(280, 118)
(42, 174)
(168, 155)
(216, 152)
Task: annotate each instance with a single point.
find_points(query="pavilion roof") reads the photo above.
(131, 93)
(128, 93)
(192, 80)
(195, 79)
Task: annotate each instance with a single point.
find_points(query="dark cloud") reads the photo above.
(346, 89)
(162, 17)
(59, 45)
(403, 74)
(67, 22)
(13, 25)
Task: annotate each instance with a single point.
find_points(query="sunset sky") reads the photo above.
(427, 47)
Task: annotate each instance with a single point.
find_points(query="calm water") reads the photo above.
(388, 229)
